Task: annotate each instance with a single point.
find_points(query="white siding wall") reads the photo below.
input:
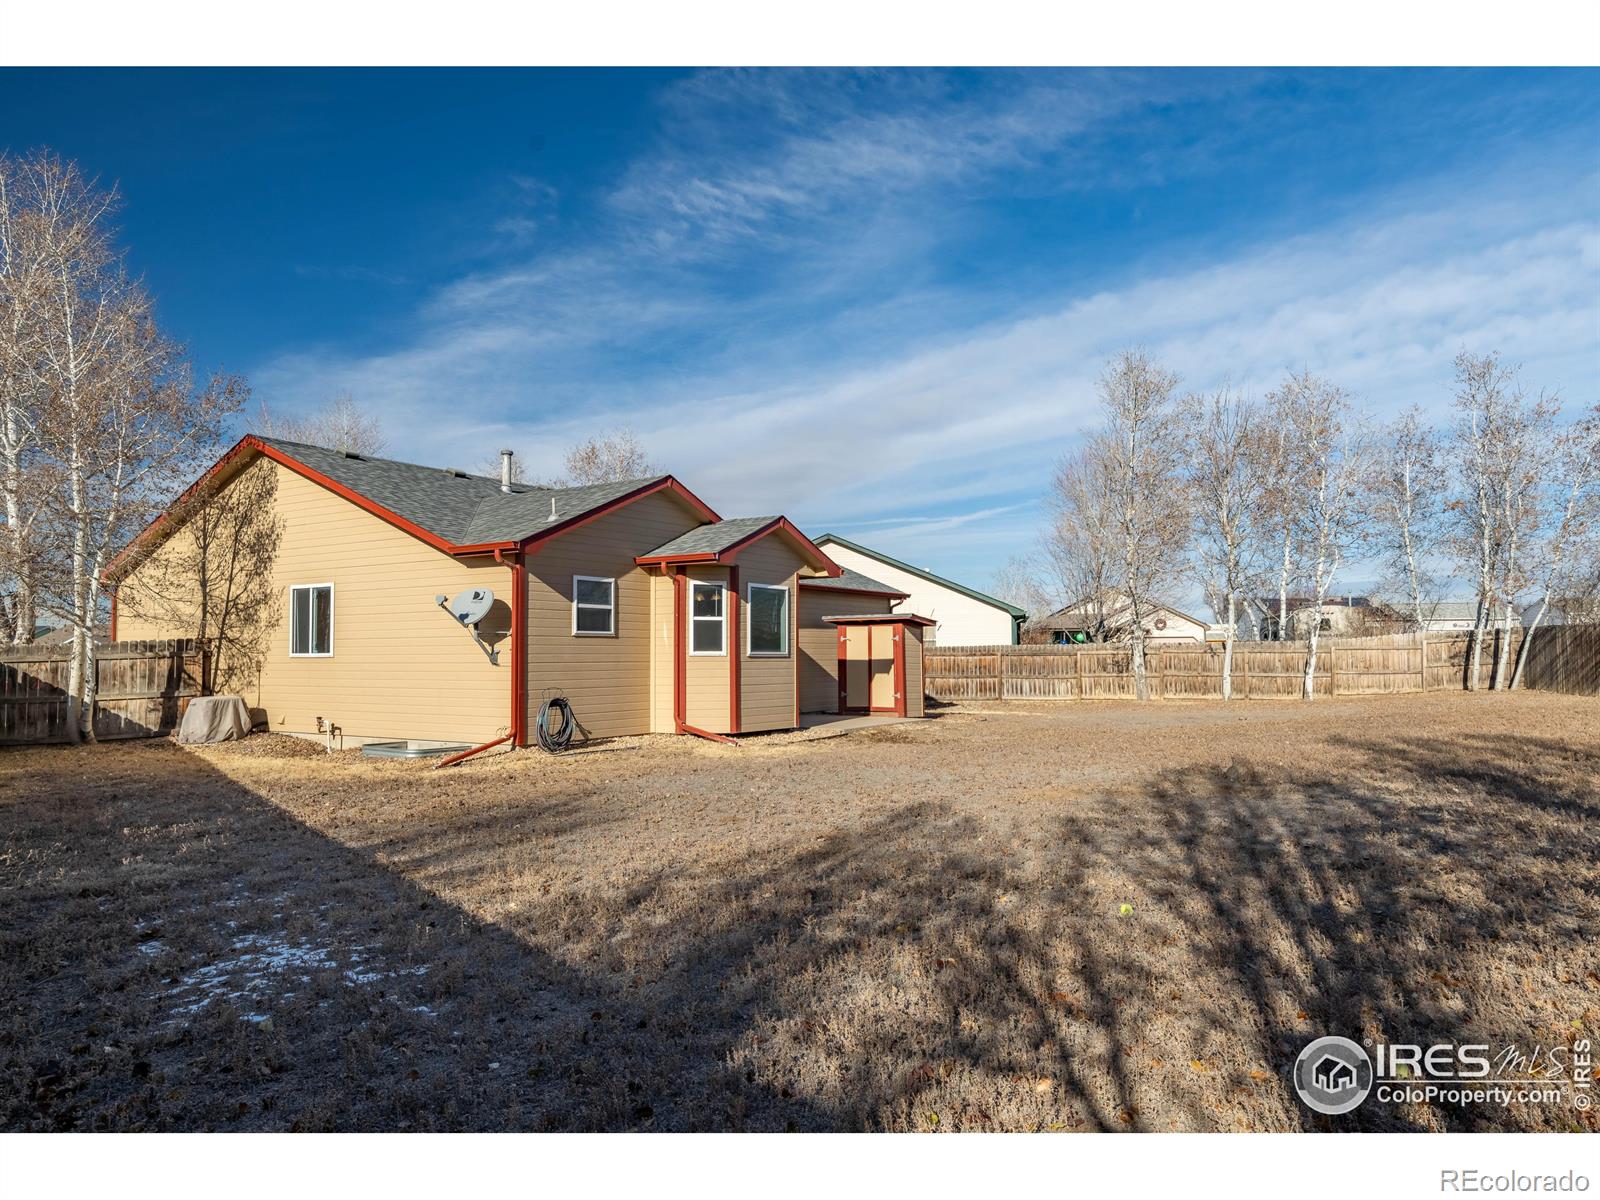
(962, 621)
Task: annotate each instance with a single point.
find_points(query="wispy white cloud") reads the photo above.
(762, 316)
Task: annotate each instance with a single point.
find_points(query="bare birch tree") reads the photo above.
(49, 213)
(1408, 489)
(1574, 479)
(1480, 401)
(343, 423)
(121, 424)
(1138, 454)
(1332, 511)
(1281, 461)
(1227, 489)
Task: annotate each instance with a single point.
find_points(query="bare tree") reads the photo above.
(1227, 487)
(121, 423)
(343, 423)
(1281, 460)
(214, 575)
(1501, 440)
(1409, 486)
(1480, 401)
(1574, 478)
(1332, 513)
(608, 458)
(1137, 455)
(1020, 581)
(49, 213)
(1079, 547)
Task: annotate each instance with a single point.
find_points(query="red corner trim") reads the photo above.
(519, 651)
(734, 650)
(900, 670)
(680, 655)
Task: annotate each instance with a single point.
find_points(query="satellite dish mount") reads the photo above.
(467, 609)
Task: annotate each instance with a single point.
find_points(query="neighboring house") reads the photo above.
(1082, 621)
(1342, 616)
(1562, 611)
(643, 607)
(963, 616)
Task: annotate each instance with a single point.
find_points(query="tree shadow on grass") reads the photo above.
(181, 953)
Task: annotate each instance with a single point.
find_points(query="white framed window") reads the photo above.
(594, 606)
(311, 620)
(708, 620)
(767, 618)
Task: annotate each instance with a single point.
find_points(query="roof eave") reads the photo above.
(971, 593)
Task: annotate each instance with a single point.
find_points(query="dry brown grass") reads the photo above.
(918, 927)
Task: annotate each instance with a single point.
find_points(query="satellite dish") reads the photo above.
(471, 606)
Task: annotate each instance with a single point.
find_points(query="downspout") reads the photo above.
(518, 736)
(735, 700)
(519, 650)
(680, 664)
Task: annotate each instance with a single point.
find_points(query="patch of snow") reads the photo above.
(252, 974)
(151, 948)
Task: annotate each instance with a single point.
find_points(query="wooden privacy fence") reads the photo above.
(1564, 658)
(143, 688)
(1567, 658)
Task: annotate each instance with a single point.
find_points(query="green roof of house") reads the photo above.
(982, 597)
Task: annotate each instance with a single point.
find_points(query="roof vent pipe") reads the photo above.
(505, 469)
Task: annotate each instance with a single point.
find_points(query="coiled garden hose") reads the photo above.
(554, 741)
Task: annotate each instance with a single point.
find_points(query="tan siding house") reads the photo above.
(632, 600)
(605, 676)
(398, 667)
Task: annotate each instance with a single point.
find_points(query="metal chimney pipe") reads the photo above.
(505, 469)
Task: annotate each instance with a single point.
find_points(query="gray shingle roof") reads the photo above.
(462, 509)
(852, 581)
(504, 518)
(711, 539)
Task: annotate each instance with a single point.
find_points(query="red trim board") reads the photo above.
(734, 650)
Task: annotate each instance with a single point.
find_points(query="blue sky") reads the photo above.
(875, 301)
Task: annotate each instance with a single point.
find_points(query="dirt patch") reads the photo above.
(1077, 916)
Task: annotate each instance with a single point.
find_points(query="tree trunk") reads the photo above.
(1527, 637)
(1479, 627)
(1310, 690)
(1141, 683)
(1227, 654)
(1283, 591)
(1503, 651)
